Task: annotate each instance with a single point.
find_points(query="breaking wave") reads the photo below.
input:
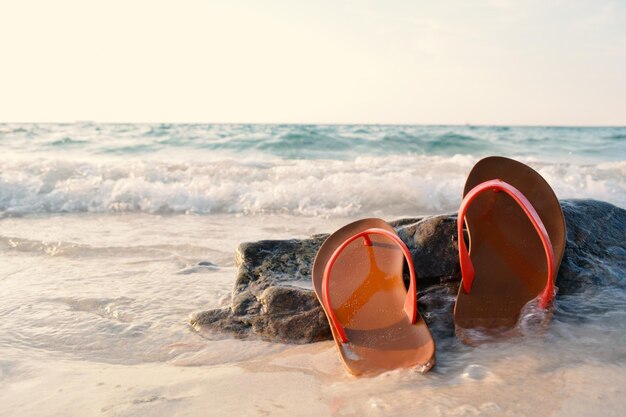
(391, 184)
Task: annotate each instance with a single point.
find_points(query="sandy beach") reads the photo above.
(113, 236)
(170, 172)
(95, 322)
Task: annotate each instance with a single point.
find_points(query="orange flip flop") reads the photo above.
(517, 238)
(357, 277)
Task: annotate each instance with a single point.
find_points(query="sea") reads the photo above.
(112, 235)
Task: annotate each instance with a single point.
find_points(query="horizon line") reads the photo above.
(317, 124)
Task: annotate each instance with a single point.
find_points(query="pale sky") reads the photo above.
(337, 61)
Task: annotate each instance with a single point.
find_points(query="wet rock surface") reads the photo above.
(273, 299)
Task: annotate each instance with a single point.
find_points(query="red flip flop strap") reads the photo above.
(467, 269)
(410, 303)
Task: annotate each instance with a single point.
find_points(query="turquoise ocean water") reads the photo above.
(292, 169)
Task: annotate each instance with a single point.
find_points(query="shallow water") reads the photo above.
(112, 235)
(94, 321)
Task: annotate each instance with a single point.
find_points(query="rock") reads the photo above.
(595, 252)
(202, 266)
(273, 298)
(432, 243)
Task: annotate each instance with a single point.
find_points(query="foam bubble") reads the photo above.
(389, 185)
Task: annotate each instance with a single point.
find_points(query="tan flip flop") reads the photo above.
(517, 238)
(357, 277)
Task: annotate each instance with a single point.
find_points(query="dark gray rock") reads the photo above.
(273, 299)
(272, 296)
(595, 252)
(432, 243)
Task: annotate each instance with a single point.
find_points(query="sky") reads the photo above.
(327, 61)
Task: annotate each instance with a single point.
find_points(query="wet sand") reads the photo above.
(94, 322)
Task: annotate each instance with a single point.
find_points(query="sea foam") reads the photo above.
(392, 184)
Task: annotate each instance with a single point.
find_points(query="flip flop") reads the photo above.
(357, 277)
(517, 238)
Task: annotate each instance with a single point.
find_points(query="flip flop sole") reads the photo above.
(507, 254)
(367, 293)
